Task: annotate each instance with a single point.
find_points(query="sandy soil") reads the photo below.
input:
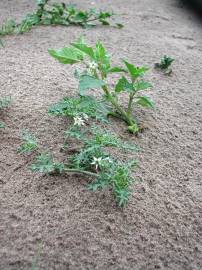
(70, 227)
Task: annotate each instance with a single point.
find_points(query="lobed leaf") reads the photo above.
(117, 70)
(145, 101)
(123, 85)
(142, 85)
(88, 82)
(135, 72)
(81, 46)
(67, 55)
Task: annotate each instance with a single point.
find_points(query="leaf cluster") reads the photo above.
(77, 106)
(165, 64)
(29, 143)
(111, 172)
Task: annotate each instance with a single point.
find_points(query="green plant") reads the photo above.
(29, 143)
(97, 68)
(91, 157)
(57, 14)
(4, 102)
(165, 64)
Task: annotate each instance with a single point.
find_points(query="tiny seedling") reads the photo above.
(91, 157)
(4, 102)
(95, 75)
(58, 14)
(165, 64)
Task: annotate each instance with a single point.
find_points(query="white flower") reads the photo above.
(108, 159)
(78, 121)
(85, 116)
(93, 65)
(96, 162)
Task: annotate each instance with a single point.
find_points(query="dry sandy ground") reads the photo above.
(57, 217)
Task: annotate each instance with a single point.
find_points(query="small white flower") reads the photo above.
(78, 121)
(96, 162)
(108, 159)
(93, 65)
(85, 116)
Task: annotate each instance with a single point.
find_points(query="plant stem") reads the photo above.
(124, 115)
(129, 110)
(80, 172)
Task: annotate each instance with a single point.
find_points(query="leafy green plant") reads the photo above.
(4, 102)
(58, 14)
(165, 64)
(91, 157)
(74, 106)
(95, 75)
(29, 143)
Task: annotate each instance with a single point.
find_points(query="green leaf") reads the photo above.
(29, 143)
(89, 82)
(135, 72)
(104, 22)
(145, 101)
(166, 61)
(119, 25)
(117, 70)
(123, 85)
(41, 2)
(2, 125)
(67, 55)
(100, 51)
(102, 57)
(81, 46)
(43, 164)
(4, 102)
(142, 85)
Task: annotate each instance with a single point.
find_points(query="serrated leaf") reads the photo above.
(89, 82)
(102, 57)
(80, 45)
(123, 85)
(117, 70)
(135, 72)
(67, 55)
(43, 163)
(29, 143)
(145, 101)
(142, 85)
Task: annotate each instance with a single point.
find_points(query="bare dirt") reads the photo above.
(57, 217)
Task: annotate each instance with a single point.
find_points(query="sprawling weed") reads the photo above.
(58, 14)
(92, 157)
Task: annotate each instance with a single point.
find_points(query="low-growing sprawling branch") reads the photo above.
(92, 158)
(97, 68)
(57, 14)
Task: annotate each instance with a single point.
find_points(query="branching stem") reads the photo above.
(81, 172)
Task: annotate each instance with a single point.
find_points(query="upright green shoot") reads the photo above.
(95, 73)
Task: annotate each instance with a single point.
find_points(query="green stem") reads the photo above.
(130, 103)
(81, 172)
(114, 102)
